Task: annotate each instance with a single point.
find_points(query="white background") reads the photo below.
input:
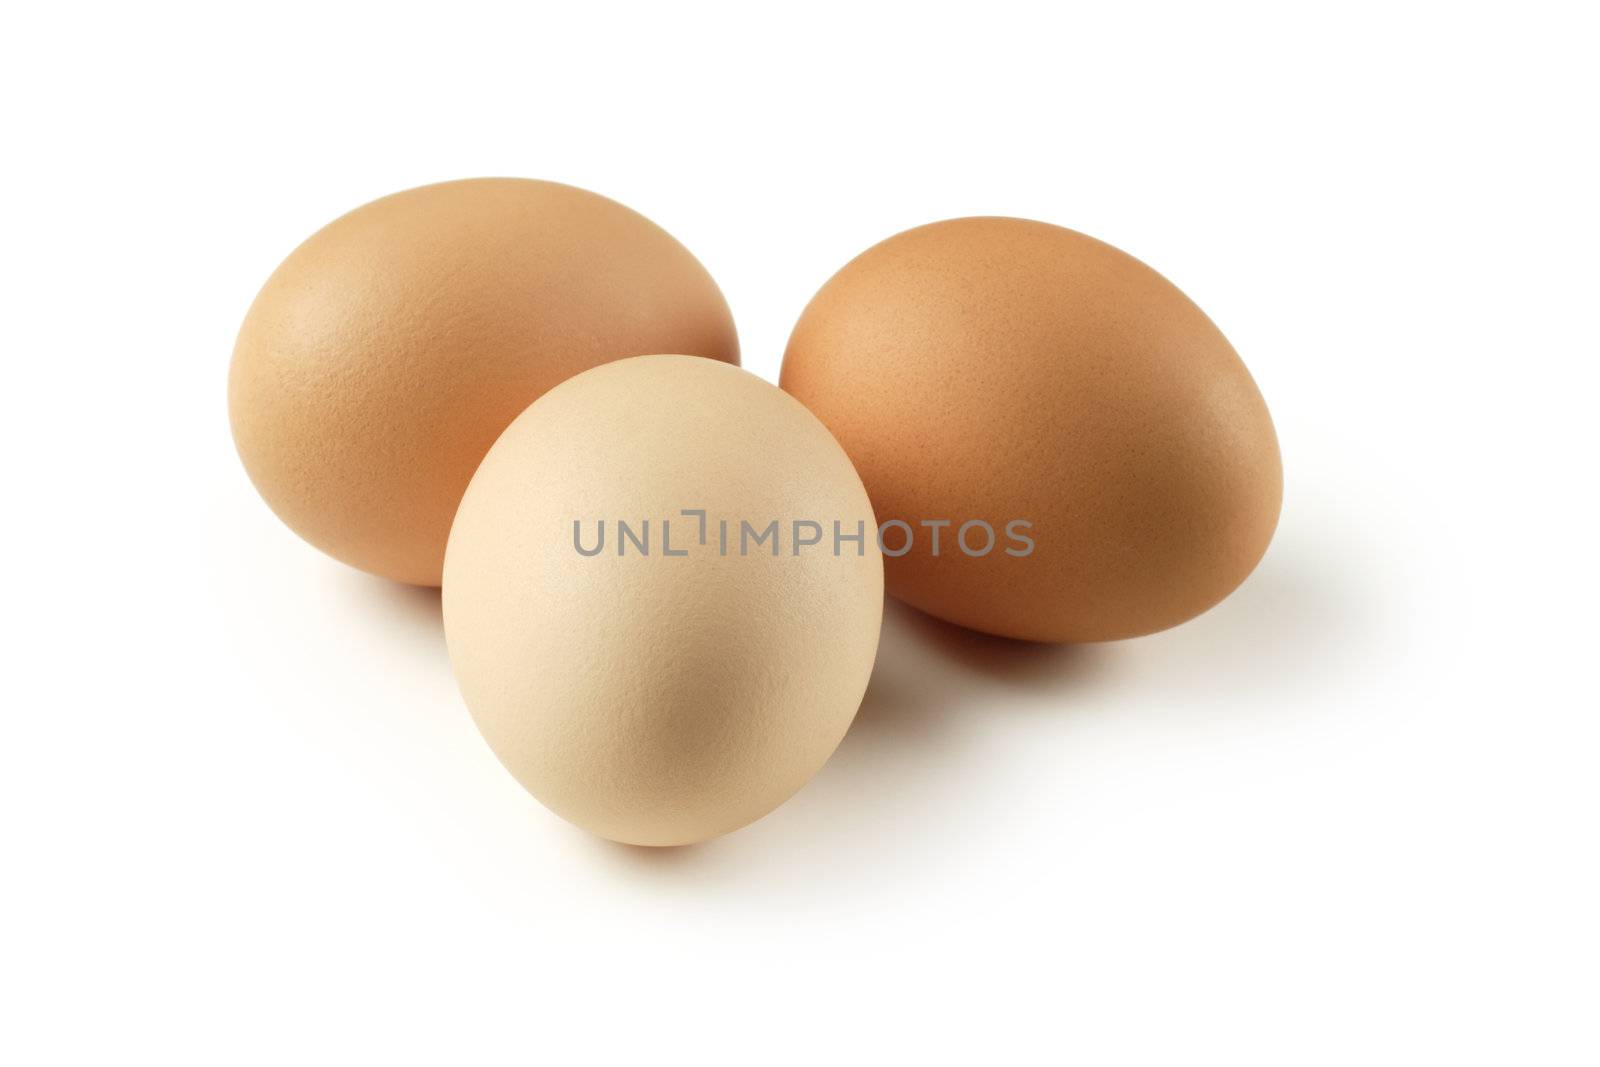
(1347, 817)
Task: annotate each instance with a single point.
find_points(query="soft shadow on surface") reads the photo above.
(930, 673)
(1009, 662)
(647, 858)
(417, 603)
(412, 612)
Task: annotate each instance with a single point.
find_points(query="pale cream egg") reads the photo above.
(662, 597)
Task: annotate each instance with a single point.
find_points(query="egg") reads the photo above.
(1060, 444)
(662, 598)
(385, 355)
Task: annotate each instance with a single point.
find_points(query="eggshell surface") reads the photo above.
(1004, 370)
(666, 693)
(385, 355)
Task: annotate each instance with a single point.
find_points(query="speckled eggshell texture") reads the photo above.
(1001, 369)
(655, 698)
(386, 354)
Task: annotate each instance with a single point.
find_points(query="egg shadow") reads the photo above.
(414, 613)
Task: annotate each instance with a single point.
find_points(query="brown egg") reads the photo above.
(386, 354)
(662, 598)
(1016, 377)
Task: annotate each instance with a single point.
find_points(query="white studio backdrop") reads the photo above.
(1347, 816)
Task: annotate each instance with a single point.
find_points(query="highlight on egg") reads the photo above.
(1007, 370)
(662, 598)
(387, 353)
